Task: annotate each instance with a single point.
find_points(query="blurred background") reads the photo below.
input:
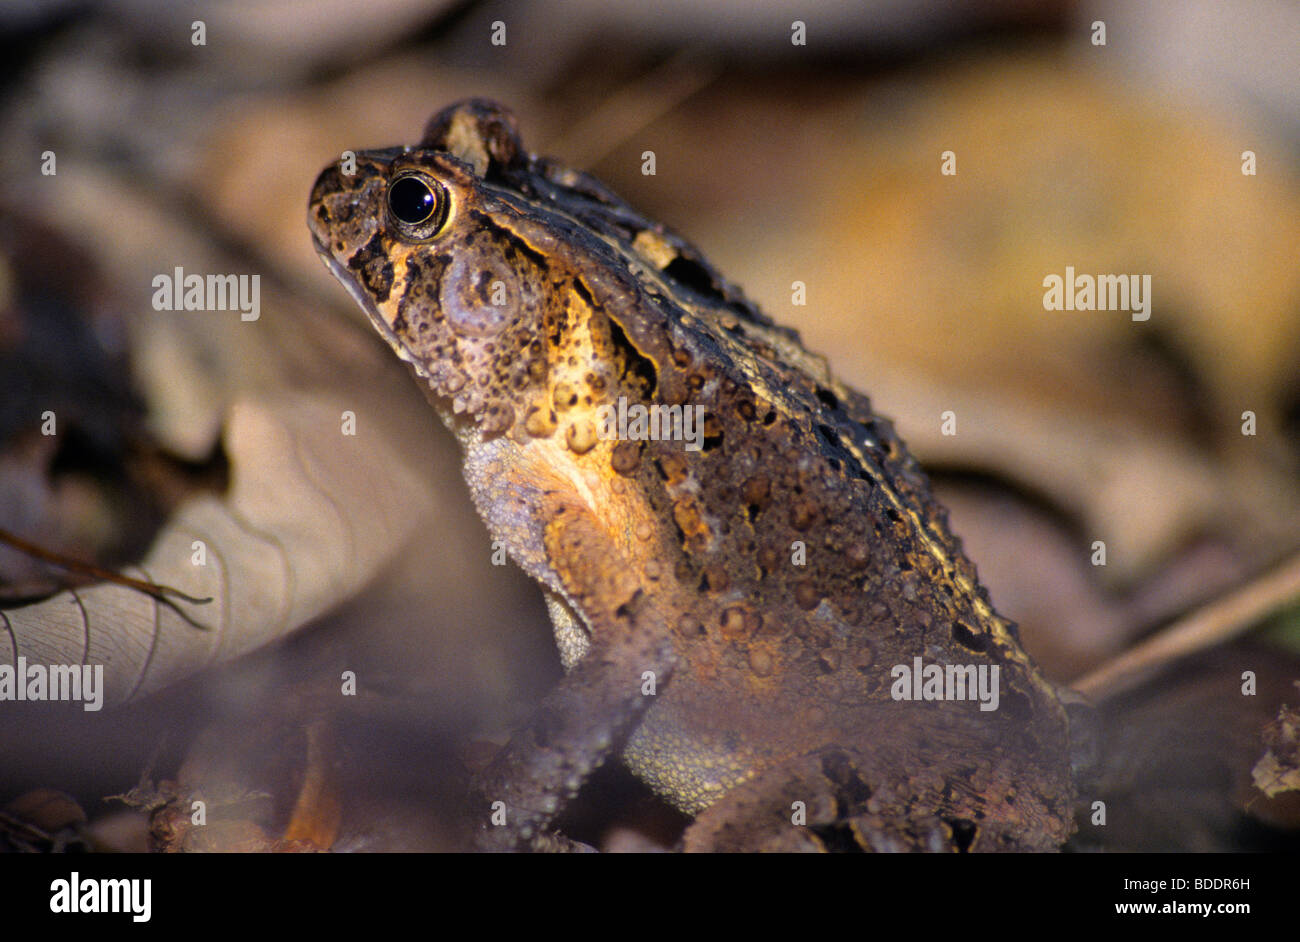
(188, 134)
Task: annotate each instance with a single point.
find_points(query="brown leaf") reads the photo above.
(311, 516)
(1278, 770)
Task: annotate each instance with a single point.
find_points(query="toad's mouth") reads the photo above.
(345, 277)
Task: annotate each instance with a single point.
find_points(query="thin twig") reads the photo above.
(1219, 621)
(163, 593)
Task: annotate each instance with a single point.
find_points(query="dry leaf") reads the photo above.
(1278, 770)
(311, 517)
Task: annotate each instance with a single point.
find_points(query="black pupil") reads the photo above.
(411, 200)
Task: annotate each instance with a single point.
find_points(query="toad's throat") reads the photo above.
(359, 294)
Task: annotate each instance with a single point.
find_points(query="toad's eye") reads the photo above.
(418, 205)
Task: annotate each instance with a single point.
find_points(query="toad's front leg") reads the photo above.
(580, 722)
